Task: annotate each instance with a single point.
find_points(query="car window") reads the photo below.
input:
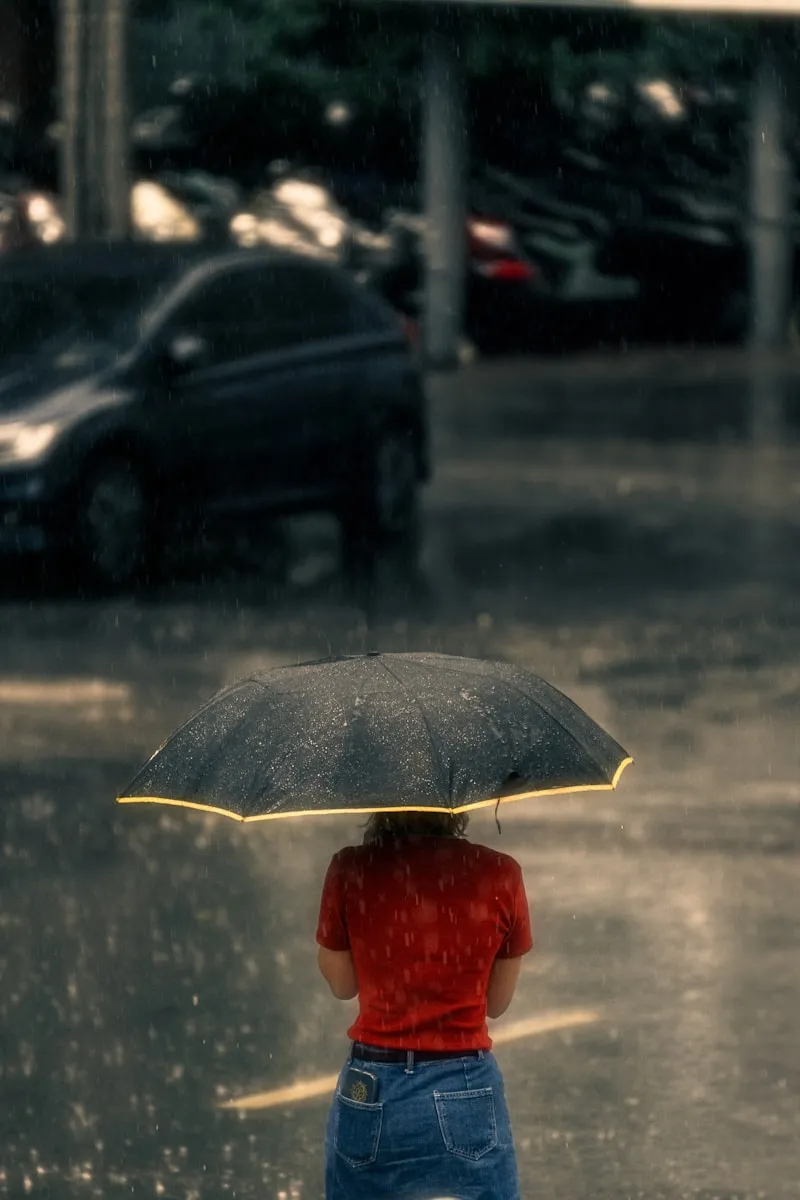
(44, 314)
(224, 311)
(312, 304)
(257, 309)
(371, 314)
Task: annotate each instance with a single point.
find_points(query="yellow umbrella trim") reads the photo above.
(344, 812)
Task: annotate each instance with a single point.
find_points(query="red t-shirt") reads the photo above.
(424, 924)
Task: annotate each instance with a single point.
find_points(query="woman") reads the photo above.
(428, 930)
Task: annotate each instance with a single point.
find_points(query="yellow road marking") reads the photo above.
(545, 1023)
(308, 1089)
(323, 1085)
(62, 691)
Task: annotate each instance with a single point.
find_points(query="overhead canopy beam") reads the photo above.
(709, 8)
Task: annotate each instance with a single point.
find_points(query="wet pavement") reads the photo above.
(155, 964)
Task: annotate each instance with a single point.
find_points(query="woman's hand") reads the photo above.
(339, 972)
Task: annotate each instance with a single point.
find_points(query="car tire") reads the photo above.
(384, 516)
(114, 524)
(732, 322)
(793, 335)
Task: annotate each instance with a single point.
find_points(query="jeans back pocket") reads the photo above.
(468, 1121)
(357, 1131)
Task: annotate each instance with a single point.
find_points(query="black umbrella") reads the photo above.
(379, 733)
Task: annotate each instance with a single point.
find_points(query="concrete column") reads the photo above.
(95, 179)
(444, 157)
(71, 40)
(771, 238)
(116, 140)
(772, 268)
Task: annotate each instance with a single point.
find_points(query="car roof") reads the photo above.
(93, 259)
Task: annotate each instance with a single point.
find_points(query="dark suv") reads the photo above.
(143, 384)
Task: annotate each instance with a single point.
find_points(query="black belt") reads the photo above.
(384, 1054)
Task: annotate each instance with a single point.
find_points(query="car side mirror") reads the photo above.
(184, 352)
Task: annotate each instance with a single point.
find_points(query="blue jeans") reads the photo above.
(440, 1130)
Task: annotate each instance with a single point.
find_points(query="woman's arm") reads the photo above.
(503, 979)
(335, 960)
(339, 972)
(504, 975)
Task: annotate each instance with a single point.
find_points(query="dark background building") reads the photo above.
(27, 55)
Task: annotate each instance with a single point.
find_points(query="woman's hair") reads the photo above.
(385, 827)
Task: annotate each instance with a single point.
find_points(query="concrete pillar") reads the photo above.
(116, 122)
(772, 269)
(95, 179)
(444, 158)
(771, 238)
(71, 73)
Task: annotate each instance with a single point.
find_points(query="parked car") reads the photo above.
(144, 385)
(613, 213)
(689, 252)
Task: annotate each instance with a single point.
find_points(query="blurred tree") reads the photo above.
(272, 18)
(375, 48)
(703, 48)
(521, 63)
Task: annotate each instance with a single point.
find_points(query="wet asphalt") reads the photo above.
(155, 965)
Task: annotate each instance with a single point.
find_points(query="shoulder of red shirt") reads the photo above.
(348, 855)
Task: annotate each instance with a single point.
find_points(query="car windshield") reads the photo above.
(70, 321)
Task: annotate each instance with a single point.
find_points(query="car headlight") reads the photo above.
(20, 442)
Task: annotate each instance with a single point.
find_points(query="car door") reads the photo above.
(268, 404)
(263, 397)
(311, 359)
(268, 415)
(209, 397)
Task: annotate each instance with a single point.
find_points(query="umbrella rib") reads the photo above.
(446, 779)
(573, 737)
(184, 725)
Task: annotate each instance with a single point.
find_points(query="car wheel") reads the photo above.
(793, 336)
(731, 325)
(114, 524)
(384, 517)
